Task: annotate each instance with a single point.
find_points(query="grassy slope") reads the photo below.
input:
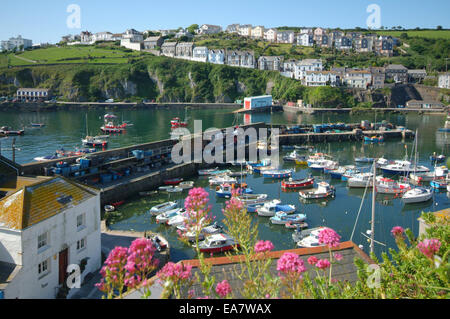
(429, 34)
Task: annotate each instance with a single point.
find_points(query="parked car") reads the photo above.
(109, 101)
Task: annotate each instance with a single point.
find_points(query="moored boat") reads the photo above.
(165, 216)
(217, 243)
(248, 199)
(293, 184)
(417, 195)
(6, 131)
(206, 172)
(269, 209)
(186, 185)
(161, 208)
(373, 139)
(280, 173)
(361, 180)
(323, 190)
(225, 190)
(389, 186)
(221, 179)
(281, 218)
(173, 181)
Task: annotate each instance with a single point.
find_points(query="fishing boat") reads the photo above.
(361, 180)
(186, 185)
(309, 239)
(266, 162)
(417, 195)
(161, 208)
(291, 157)
(217, 243)
(165, 188)
(439, 183)
(349, 173)
(212, 229)
(438, 172)
(222, 179)
(110, 128)
(176, 123)
(173, 181)
(294, 184)
(206, 172)
(248, 199)
(165, 216)
(389, 186)
(403, 168)
(261, 169)
(281, 218)
(373, 139)
(437, 158)
(225, 190)
(94, 141)
(323, 190)
(317, 158)
(364, 160)
(280, 173)
(269, 209)
(6, 131)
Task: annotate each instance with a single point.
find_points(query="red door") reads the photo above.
(63, 263)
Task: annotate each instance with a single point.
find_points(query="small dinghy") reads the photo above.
(309, 238)
(217, 180)
(280, 173)
(439, 183)
(186, 185)
(248, 199)
(174, 189)
(161, 208)
(417, 195)
(177, 220)
(109, 208)
(173, 181)
(373, 139)
(281, 218)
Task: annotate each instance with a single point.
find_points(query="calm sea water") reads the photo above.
(66, 128)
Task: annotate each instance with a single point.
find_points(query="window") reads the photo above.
(81, 221)
(42, 240)
(81, 244)
(43, 267)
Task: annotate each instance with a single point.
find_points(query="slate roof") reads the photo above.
(39, 200)
(224, 267)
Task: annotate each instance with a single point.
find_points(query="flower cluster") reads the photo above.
(113, 272)
(312, 260)
(262, 246)
(140, 262)
(223, 289)
(329, 237)
(290, 263)
(429, 247)
(175, 272)
(323, 264)
(397, 231)
(197, 210)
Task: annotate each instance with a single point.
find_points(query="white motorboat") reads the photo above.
(323, 190)
(389, 186)
(403, 168)
(248, 199)
(361, 180)
(417, 195)
(186, 185)
(161, 208)
(281, 218)
(164, 217)
(205, 172)
(177, 220)
(175, 189)
(269, 209)
(312, 240)
(222, 179)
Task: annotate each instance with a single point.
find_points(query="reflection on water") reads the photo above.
(66, 128)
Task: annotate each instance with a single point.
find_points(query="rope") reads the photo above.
(357, 217)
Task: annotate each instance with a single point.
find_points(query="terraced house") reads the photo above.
(243, 59)
(271, 63)
(285, 36)
(46, 225)
(184, 50)
(169, 49)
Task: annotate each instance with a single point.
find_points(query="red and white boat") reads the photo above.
(217, 243)
(173, 181)
(293, 184)
(176, 123)
(389, 186)
(111, 128)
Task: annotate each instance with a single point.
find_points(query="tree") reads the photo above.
(439, 27)
(192, 28)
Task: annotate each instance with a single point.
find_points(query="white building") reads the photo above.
(270, 35)
(444, 81)
(245, 30)
(200, 54)
(307, 65)
(360, 79)
(102, 36)
(216, 56)
(133, 35)
(127, 43)
(233, 28)
(289, 68)
(258, 32)
(305, 39)
(46, 225)
(209, 29)
(321, 78)
(16, 43)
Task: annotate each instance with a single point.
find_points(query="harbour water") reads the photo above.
(66, 128)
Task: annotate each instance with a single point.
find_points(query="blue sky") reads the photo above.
(45, 20)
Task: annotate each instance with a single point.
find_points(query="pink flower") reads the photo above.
(312, 260)
(397, 231)
(175, 272)
(329, 237)
(429, 247)
(290, 263)
(263, 246)
(338, 256)
(323, 264)
(223, 289)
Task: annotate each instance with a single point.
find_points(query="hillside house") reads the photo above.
(270, 35)
(384, 45)
(245, 30)
(285, 36)
(258, 32)
(444, 81)
(305, 39)
(343, 43)
(152, 43)
(30, 94)
(364, 44)
(233, 28)
(200, 54)
(184, 50)
(240, 58)
(271, 63)
(307, 65)
(169, 49)
(378, 77)
(397, 72)
(321, 78)
(209, 29)
(416, 76)
(360, 79)
(216, 56)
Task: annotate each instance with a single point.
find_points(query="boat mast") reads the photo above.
(372, 226)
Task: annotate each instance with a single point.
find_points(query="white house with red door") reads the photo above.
(46, 225)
